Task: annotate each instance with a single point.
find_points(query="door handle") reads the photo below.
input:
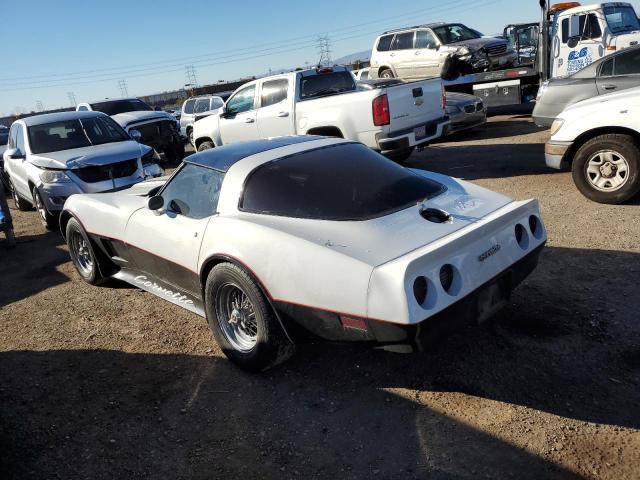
(249, 120)
(609, 86)
(283, 114)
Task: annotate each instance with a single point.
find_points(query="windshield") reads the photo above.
(455, 33)
(621, 19)
(4, 138)
(326, 84)
(69, 134)
(342, 182)
(114, 107)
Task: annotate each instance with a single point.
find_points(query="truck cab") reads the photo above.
(582, 34)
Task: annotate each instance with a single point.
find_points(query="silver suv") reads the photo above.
(420, 52)
(195, 107)
(53, 156)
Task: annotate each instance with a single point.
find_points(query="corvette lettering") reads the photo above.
(492, 251)
(160, 290)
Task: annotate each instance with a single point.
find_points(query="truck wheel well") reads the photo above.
(383, 68)
(201, 140)
(325, 132)
(596, 132)
(64, 219)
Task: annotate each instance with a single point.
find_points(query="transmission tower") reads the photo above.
(122, 85)
(72, 98)
(39, 106)
(190, 73)
(323, 44)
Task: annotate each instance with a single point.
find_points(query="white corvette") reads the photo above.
(282, 241)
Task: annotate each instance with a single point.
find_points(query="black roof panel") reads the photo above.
(222, 158)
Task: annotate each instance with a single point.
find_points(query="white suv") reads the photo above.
(420, 52)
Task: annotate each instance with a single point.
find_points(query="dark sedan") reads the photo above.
(612, 73)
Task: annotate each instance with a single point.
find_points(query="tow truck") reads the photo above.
(568, 38)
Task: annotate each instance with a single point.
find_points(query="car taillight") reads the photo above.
(381, 111)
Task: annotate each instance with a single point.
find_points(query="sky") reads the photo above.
(89, 47)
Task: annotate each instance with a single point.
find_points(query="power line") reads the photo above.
(122, 85)
(229, 53)
(323, 45)
(190, 74)
(39, 106)
(72, 99)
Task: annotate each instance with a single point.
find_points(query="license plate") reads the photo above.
(420, 132)
(492, 299)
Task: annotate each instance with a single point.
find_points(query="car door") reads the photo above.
(619, 72)
(186, 117)
(16, 166)
(238, 122)
(584, 43)
(426, 56)
(402, 54)
(275, 112)
(165, 244)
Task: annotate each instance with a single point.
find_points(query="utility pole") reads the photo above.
(39, 106)
(190, 73)
(323, 44)
(72, 99)
(122, 85)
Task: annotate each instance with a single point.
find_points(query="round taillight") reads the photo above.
(521, 236)
(534, 226)
(446, 277)
(420, 290)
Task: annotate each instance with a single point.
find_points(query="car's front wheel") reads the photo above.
(205, 146)
(49, 220)
(606, 168)
(82, 253)
(20, 203)
(242, 320)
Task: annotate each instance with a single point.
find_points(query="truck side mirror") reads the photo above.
(155, 203)
(573, 42)
(135, 135)
(15, 154)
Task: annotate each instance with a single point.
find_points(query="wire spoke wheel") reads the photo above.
(237, 317)
(81, 253)
(607, 171)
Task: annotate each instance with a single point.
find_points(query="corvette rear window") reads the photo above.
(341, 182)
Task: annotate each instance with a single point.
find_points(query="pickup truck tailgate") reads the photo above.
(414, 104)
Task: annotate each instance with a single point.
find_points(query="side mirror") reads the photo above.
(155, 203)
(135, 135)
(573, 42)
(15, 154)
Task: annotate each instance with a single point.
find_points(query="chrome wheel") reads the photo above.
(237, 317)
(42, 210)
(607, 171)
(81, 253)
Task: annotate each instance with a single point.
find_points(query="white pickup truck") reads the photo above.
(391, 117)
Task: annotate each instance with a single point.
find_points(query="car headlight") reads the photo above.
(556, 125)
(54, 176)
(464, 51)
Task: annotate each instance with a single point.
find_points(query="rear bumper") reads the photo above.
(404, 139)
(555, 155)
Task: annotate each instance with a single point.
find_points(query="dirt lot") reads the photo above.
(112, 382)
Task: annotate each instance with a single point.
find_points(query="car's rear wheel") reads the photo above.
(190, 135)
(386, 73)
(205, 146)
(49, 220)
(82, 253)
(242, 321)
(20, 203)
(400, 156)
(606, 168)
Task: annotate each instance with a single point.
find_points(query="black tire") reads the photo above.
(399, 156)
(49, 220)
(82, 253)
(20, 203)
(205, 146)
(598, 165)
(386, 73)
(269, 344)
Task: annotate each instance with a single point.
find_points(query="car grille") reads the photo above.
(107, 172)
(153, 130)
(496, 48)
(469, 108)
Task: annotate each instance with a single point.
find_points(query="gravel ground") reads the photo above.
(112, 382)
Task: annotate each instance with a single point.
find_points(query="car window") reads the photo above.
(4, 138)
(565, 30)
(340, 182)
(364, 75)
(313, 86)
(242, 101)
(403, 41)
(384, 44)
(102, 130)
(274, 91)
(424, 39)
(216, 102)
(188, 106)
(455, 32)
(606, 69)
(193, 191)
(621, 18)
(13, 133)
(627, 63)
(202, 105)
(589, 26)
(20, 138)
